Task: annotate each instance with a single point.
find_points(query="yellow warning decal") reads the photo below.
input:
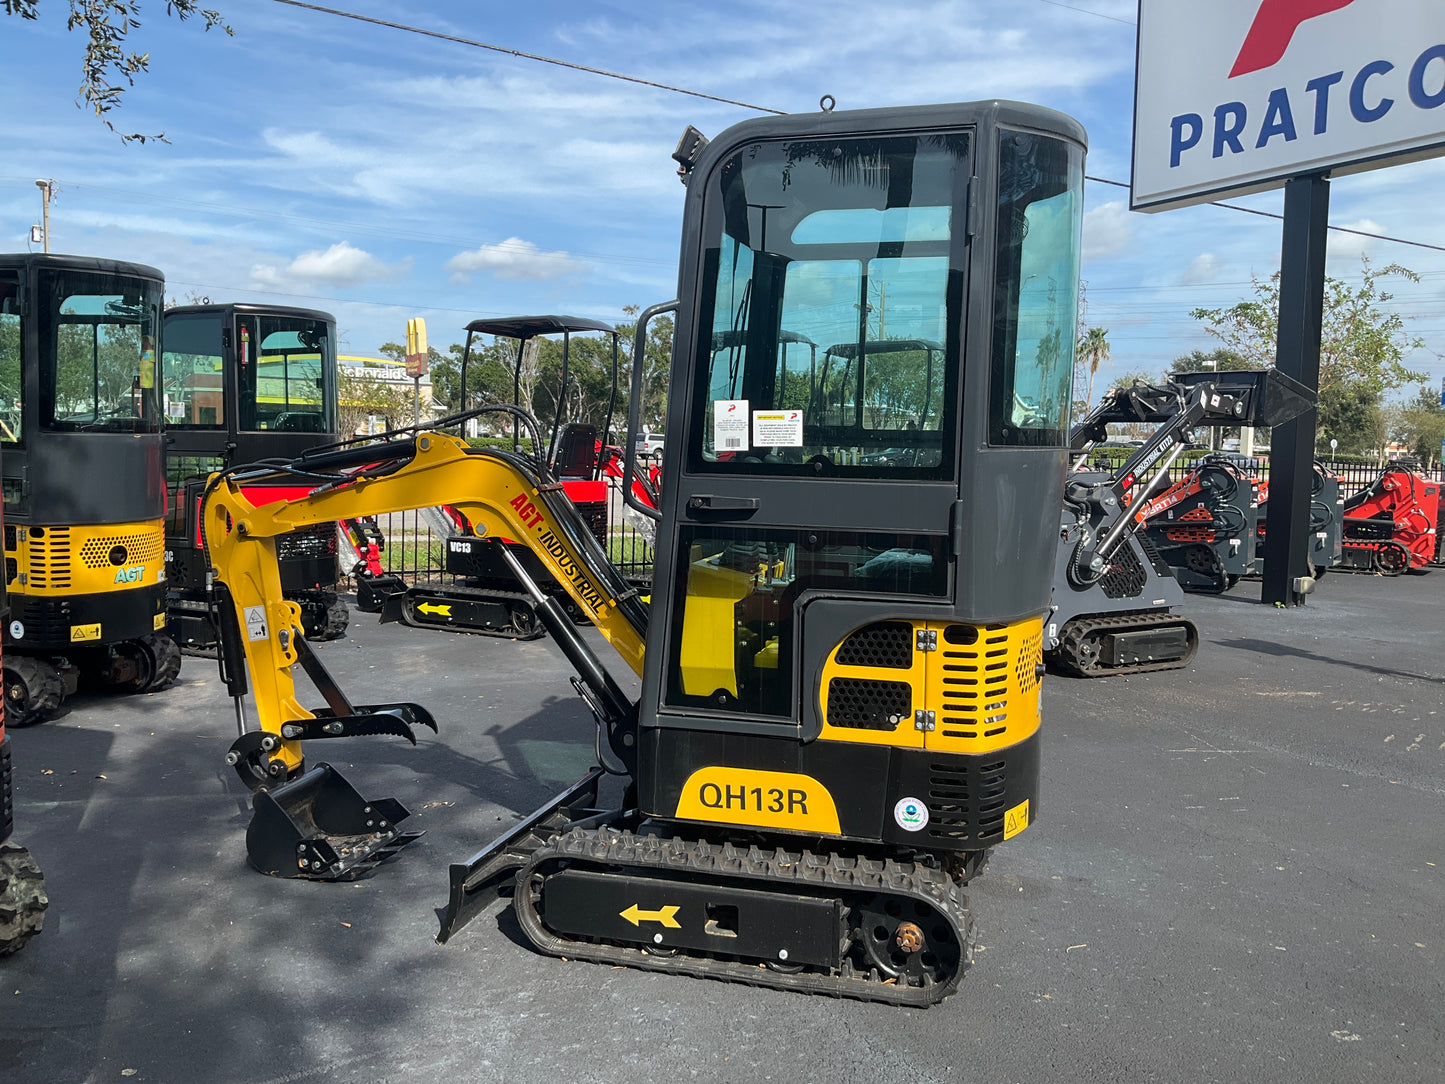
(1016, 819)
(785, 800)
(159, 622)
(84, 632)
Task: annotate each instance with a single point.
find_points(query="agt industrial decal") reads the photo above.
(1237, 96)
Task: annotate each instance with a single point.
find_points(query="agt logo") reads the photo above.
(1305, 107)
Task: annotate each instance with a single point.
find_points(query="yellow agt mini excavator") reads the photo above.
(840, 658)
(84, 494)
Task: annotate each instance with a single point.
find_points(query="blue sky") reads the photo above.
(380, 175)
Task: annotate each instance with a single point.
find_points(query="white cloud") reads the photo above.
(1203, 268)
(1108, 228)
(1349, 247)
(339, 265)
(513, 259)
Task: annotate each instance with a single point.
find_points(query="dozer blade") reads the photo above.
(373, 591)
(318, 827)
(480, 880)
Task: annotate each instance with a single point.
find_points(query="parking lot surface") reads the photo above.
(1237, 874)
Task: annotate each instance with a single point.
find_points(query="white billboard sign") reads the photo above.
(1235, 96)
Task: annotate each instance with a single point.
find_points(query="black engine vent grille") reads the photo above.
(1125, 578)
(967, 803)
(307, 542)
(888, 643)
(864, 704)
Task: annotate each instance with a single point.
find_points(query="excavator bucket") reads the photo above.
(320, 828)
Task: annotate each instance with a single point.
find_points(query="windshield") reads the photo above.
(98, 360)
(287, 374)
(828, 340)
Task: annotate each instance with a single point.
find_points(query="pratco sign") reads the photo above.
(1237, 96)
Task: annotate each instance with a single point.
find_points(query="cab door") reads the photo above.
(812, 470)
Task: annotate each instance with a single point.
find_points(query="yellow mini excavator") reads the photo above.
(840, 659)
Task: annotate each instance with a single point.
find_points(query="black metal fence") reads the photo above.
(1354, 476)
(416, 541)
(416, 550)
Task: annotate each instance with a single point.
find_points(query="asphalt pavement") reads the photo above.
(1237, 874)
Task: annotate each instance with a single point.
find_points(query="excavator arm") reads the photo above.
(502, 494)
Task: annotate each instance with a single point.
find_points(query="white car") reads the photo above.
(649, 443)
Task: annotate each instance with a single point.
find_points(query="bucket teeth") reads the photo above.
(318, 827)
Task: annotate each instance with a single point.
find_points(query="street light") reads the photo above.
(46, 190)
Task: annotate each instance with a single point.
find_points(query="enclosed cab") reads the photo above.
(855, 547)
(84, 494)
(245, 382)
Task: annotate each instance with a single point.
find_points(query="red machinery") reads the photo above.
(1204, 525)
(1390, 527)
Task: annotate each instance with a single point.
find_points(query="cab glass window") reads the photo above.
(832, 284)
(742, 592)
(286, 374)
(12, 370)
(194, 396)
(1036, 288)
(97, 350)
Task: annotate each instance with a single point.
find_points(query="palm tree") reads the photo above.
(1094, 345)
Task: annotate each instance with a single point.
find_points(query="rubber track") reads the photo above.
(22, 898)
(1075, 632)
(166, 657)
(483, 594)
(793, 871)
(1371, 547)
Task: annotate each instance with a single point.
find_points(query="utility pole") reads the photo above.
(47, 189)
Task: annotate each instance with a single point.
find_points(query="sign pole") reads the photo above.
(1291, 456)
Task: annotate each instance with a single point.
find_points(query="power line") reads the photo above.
(526, 56)
(760, 108)
(1275, 215)
(1086, 11)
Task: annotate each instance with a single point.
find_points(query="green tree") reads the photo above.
(361, 394)
(656, 365)
(1093, 347)
(1219, 360)
(1362, 346)
(107, 25)
(1350, 414)
(1421, 425)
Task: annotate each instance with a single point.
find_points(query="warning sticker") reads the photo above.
(730, 425)
(79, 633)
(1016, 820)
(255, 622)
(778, 428)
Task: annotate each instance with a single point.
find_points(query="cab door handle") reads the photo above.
(712, 504)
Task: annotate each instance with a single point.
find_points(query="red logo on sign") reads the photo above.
(1273, 27)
